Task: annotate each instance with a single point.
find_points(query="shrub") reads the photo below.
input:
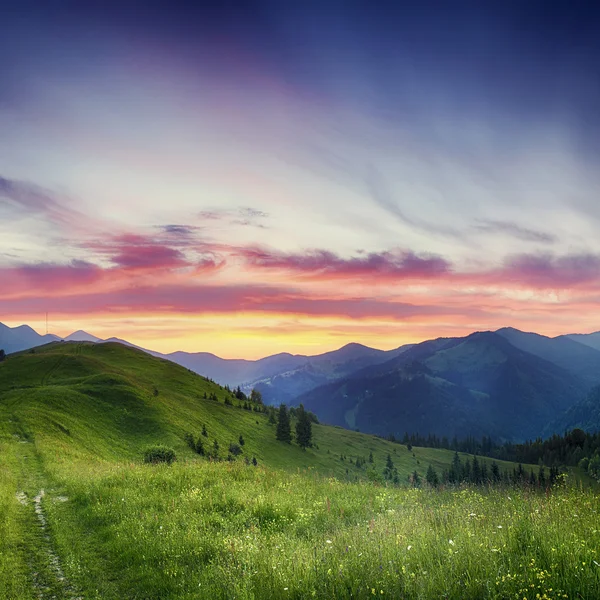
(235, 449)
(158, 454)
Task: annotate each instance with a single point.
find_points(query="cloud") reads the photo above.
(184, 232)
(139, 252)
(551, 272)
(515, 230)
(221, 299)
(24, 199)
(380, 192)
(397, 264)
(244, 215)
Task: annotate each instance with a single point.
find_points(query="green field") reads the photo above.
(75, 419)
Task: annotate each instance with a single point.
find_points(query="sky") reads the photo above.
(269, 176)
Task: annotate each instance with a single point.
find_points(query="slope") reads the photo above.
(581, 360)
(589, 339)
(107, 402)
(584, 414)
(14, 339)
(473, 385)
(81, 516)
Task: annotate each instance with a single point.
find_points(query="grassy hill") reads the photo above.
(82, 517)
(108, 402)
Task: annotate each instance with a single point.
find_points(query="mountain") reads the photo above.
(82, 336)
(15, 339)
(588, 339)
(312, 371)
(458, 386)
(581, 360)
(233, 371)
(584, 414)
(280, 377)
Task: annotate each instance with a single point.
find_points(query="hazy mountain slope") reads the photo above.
(580, 359)
(235, 372)
(15, 339)
(584, 414)
(589, 339)
(478, 384)
(317, 370)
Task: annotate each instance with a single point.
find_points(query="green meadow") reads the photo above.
(81, 515)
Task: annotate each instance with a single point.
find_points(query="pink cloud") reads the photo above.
(397, 264)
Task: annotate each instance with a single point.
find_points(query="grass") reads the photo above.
(75, 419)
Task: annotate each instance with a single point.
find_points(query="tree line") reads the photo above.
(558, 450)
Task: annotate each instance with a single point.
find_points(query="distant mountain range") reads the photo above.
(15, 339)
(508, 384)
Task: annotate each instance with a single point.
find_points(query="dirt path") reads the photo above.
(48, 578)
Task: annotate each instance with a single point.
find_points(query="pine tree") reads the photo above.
(303, 428)
(475, 472)
(2, 355)
(432, 477)
(242, 440)
(199, 448)
(371, 459)
(388, 471)
(484, 473)
(455, 473)
(256, 396)
(542, 477)
(284, 431)
(416, 480)
(204, 432)
(495, 472)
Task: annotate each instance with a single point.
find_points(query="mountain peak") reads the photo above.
(82, 336)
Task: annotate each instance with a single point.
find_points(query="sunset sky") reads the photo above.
(295, 175)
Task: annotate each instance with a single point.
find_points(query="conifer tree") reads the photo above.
(432, 477)
(303, 428)
(475, 472)
(542, 477)
(388, 471)
(284, 431)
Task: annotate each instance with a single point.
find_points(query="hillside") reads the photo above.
(108, 401)
(567, 352)
(584, 414)
(461, 386)
(82, 517)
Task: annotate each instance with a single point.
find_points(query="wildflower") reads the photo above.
(499, 526)
(285, 589)
(409, 547)
(472, 515)
(451, 542)
(329, 542)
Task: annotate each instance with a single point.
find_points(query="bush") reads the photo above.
(158, 454)
(235, 449)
